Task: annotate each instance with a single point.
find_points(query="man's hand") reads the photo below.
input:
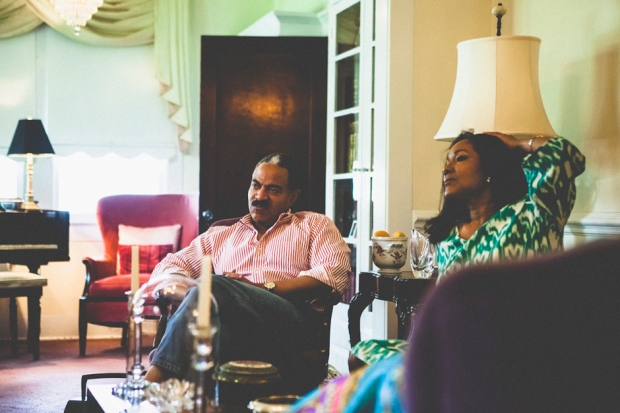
(234, 275)
(304, 288)
(241, 278)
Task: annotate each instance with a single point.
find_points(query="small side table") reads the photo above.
(21, 284)
(407, 293)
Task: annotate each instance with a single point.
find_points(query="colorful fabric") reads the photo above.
(377, 388)
(297, 245)
(371, 351)
(533, 225)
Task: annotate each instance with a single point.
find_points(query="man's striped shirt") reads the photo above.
(302, 244)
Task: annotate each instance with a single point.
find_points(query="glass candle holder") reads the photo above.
(203, 361)
(171, 289)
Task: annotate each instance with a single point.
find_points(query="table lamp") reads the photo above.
(497, 88)
(30, 140)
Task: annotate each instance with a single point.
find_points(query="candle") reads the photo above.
(135, 268)
(204, 294)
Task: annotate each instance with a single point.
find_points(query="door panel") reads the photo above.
(260, 95)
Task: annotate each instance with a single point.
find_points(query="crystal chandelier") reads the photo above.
(76, 12)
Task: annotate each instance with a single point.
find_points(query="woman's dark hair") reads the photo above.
(507, 182)
(288, 163)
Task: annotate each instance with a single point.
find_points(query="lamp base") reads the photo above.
(30, 205)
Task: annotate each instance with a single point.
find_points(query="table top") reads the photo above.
(393, 288)
(20, 280)
(102, 394)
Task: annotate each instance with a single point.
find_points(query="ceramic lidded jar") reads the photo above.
(241, 381)
(389, 254)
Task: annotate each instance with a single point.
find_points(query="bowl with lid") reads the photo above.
(389, 254)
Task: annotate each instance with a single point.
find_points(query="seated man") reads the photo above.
(269, 262)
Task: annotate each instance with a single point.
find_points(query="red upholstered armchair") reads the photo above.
(108, 278)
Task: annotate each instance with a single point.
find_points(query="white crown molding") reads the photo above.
(279, 23)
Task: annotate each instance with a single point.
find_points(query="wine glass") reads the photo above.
(427, 272)
(419, 247)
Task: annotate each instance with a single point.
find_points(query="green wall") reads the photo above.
(580, 87)
(230, 17)
(300, 6)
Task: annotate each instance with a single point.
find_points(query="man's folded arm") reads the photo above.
(186, 262)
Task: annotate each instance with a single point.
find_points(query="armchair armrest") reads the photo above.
(96, 269)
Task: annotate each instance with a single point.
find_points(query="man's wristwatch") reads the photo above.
(270, 286)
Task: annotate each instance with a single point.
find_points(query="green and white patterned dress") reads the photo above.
(533, 225)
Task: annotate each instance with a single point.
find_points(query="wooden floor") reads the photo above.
(46, 385)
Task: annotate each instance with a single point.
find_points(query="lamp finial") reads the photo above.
(499, 11)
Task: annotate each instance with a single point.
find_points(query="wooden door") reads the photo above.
(260, 95)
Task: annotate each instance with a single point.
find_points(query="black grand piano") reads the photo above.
(34, 238)
(31, 238)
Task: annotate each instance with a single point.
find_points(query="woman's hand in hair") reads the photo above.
(509, 140)
(525, 146)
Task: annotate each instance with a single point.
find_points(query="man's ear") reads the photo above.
(293, 197)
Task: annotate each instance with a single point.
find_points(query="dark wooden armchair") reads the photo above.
(316, 351)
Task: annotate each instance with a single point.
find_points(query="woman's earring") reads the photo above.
(488, 179)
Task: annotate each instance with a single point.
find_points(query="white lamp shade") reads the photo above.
(497, 89)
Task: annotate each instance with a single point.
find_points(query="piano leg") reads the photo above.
(34, 268)
(13, 325)
(34, 322)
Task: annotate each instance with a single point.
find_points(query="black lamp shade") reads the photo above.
(30, 137)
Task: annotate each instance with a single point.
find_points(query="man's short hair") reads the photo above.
(287, 162)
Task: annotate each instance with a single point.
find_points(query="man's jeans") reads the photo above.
(255, 324)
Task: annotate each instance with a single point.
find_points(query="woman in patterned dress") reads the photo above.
(502, 199)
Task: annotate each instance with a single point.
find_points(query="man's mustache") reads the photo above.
(262, 204)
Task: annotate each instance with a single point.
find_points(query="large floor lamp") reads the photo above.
(30, 140)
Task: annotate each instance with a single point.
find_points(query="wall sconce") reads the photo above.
(30, 140)
(497, 88)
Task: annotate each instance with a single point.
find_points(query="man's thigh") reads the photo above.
(255, 323)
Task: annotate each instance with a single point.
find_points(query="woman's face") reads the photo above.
(462, 175)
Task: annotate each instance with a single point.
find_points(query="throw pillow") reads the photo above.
(150, 256)
(154, 242)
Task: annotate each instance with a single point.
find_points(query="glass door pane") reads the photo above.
(346, 141)
(346, 208)
(347, 82)
(348, 29)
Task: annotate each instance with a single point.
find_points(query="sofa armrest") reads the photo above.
(96, 269)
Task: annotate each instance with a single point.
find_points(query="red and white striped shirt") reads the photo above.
(303, 244)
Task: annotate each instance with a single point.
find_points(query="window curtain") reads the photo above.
(16, 18)
(171, 57)
(122, 23)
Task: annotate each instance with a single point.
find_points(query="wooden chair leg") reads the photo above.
(82, 327)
